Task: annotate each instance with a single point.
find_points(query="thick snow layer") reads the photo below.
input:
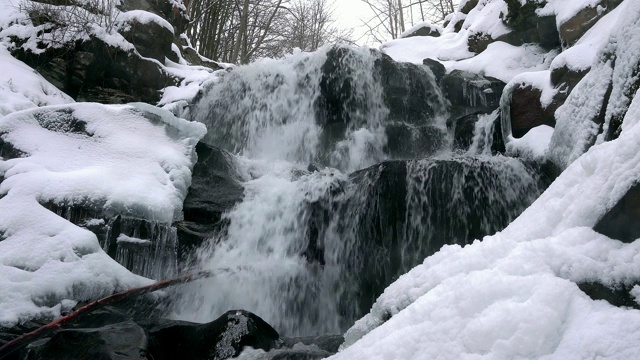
(485, 18)
(504, 61)
(135, 160)
(534, 144)
(142, 17)
(500, 60)
(514, 295)
(113, 157)
(21, 87)
(449, 46)
(420, 25)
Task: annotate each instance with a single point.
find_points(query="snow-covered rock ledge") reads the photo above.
(131, 160)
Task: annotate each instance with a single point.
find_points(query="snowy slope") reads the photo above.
(133, 160)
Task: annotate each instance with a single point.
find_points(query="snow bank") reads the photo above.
(143, 17)
(514, 295)
(533, 145)
(133, 160)
(21, 87)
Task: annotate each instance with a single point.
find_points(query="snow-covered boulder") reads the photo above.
(573, 27)
(423, 29)
(151, 35)
(118, 161)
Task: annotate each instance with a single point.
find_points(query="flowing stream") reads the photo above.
(330, 217)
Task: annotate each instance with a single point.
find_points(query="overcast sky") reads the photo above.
(350, 13)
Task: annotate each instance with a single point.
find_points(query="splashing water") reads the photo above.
(312, 249)
(269, 110)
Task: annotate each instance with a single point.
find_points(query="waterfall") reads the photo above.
(329, 218)
(269, 110)
(483, 134)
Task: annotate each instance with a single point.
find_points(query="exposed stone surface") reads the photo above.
(526, 110)
(622, 222)
(469, 92)
(436, 67)
(166, 9)
(223, 338)
(403, 211)
(425, 30)
(151, 40)
(463, 131)
(115, 333)
(215, 188)
(125, 340)
(618, 296)
(95, 71)
(573, 29)
(528, 27)
(468, 6)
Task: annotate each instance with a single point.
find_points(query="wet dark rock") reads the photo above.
(151, 39)
(436, 67)
(527, 112)
(478, 42)
(116, 341)
(425, 30)
(404, 211)
(406, 89)
(622, 221)
(215, 188)
(616, 296)
(223, 338)
(192, 56)
(528, 27)
(471, 93)
(410, 91)
(468, 6)
(8, 151)
(406, 141)
(126, 331)
(573, 29)
(463, 131)
(93, 70)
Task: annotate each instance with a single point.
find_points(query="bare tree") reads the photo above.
(243, 30)
(392, 16)
(307, 25)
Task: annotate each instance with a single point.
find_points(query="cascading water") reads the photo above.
(269, 111)
(307, 249)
